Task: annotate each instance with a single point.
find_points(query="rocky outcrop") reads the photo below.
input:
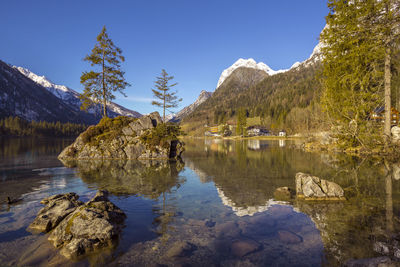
(124, 138)
(314, 188)
(84, 227)
(56, 209)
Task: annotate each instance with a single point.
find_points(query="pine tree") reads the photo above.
(162, 92)
(100, 85)
(241, 121)
(352, 68)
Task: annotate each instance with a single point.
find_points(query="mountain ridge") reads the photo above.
(32, 97)
(252, 64)
(203, 96)
(71, 97)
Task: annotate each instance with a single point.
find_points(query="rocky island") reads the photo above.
(126, 138)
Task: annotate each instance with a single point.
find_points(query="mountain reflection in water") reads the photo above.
(216, 207)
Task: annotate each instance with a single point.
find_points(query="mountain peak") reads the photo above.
(203, 96)
(245, 63)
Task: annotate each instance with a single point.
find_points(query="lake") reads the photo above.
(218, 202)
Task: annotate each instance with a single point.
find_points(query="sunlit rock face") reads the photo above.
(122, 138)
(79, 228)
(56, 209)
(312, 187)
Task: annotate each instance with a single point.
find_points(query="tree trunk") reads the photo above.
(163, 118)
(104, 90)
(388, 115)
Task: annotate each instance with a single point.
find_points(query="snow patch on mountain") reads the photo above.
(315, 56)
(71, 97)
(60, 91)
(245, 63)
(251, 63)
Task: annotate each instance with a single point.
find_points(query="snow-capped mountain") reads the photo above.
(252, 64)
(204, 95)
(71, 97)
(245, 63)
(20, 96)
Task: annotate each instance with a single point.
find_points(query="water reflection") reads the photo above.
(221, 201)
(256, 145)
(128, 177)
(282, 143)
(349, 229)
(150, 179)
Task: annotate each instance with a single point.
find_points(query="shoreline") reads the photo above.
(244, 138)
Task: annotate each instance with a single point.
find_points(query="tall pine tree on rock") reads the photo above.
(167, 99)
(100, 85)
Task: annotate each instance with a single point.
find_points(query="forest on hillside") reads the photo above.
(15, 126)
(288, 100)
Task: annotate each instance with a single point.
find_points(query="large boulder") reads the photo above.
(124, 138)
(313, 188)
(56, 209)
(90, 226)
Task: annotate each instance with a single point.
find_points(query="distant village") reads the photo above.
(253, 128)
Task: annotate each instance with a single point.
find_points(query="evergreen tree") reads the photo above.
(162, 92)
(100, 85)
(352, 68)
(241, 122)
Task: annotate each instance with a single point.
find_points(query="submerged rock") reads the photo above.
(124, 138)
(181, 249)
(89, 226)
(370, 262)
(314, 188)
(289, 237)
(244, 247)
(56, 209)
(284, 193)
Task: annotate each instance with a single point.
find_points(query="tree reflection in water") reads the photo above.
(349, 229)
(148, 178)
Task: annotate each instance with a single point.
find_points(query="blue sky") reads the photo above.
(192, 40)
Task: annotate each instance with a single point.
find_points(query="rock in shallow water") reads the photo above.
(181, 249)
(289, 237)
(244, 247)
(89, 226)
(56, 209)
(312, 187)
